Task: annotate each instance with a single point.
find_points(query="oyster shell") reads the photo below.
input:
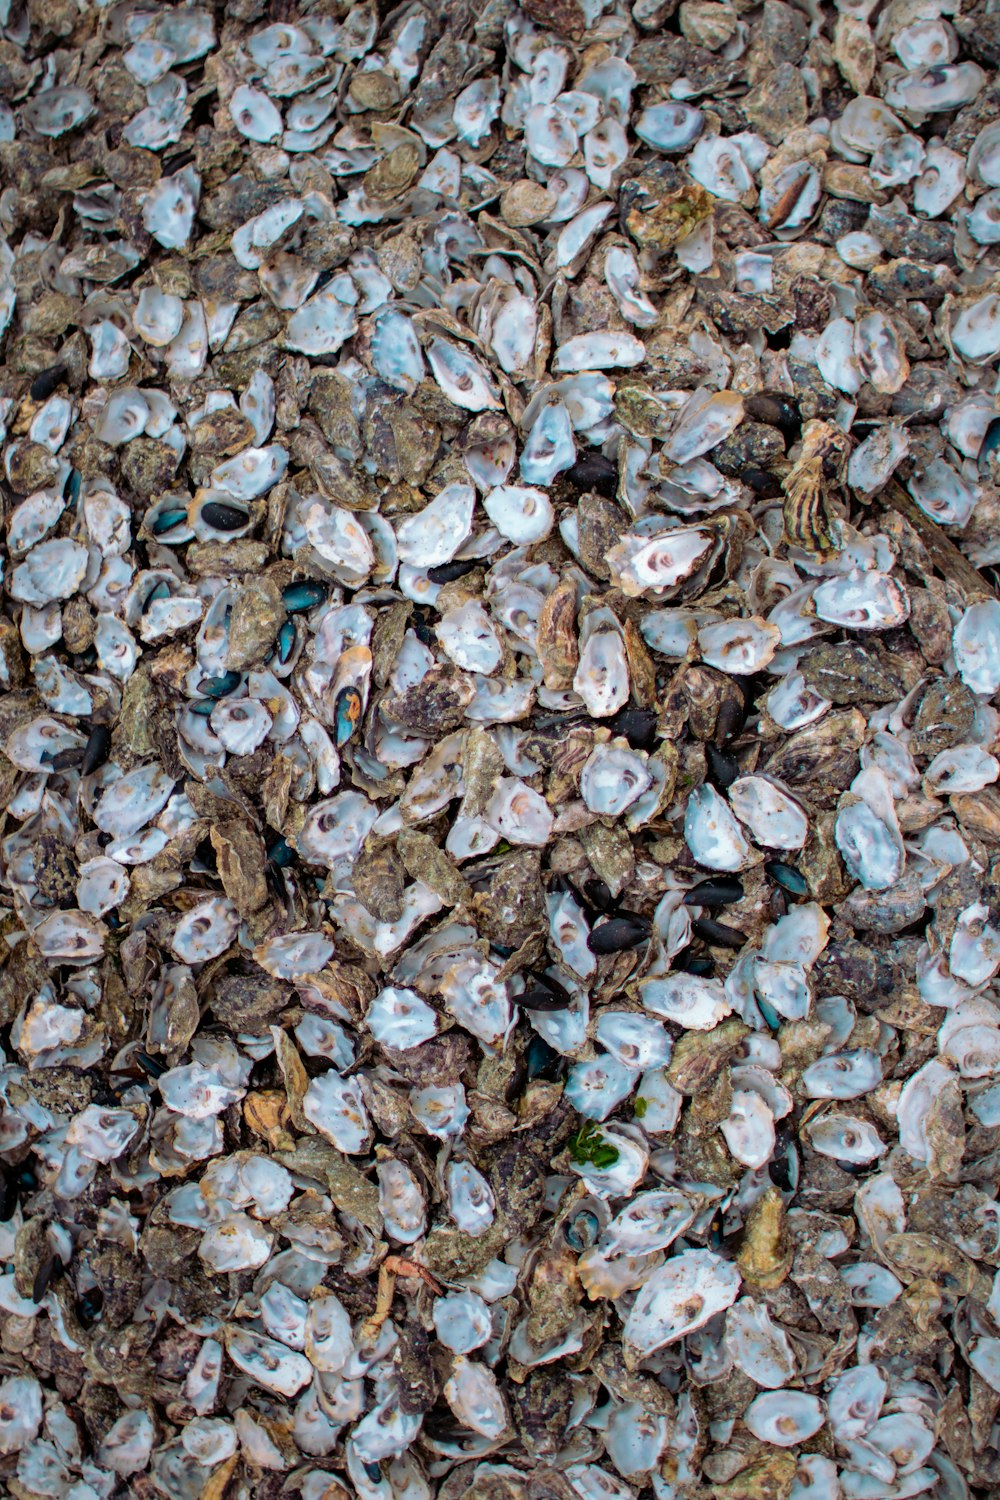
(500, 761)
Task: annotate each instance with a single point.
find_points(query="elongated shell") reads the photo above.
(712, 833)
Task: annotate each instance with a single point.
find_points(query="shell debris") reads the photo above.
(499, 747)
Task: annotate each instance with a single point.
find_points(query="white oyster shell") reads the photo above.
(678, 1298)
(254, 115)
(712, 833)
(474, 1396)
(760, 1348)
(785, 1417)
(337, 1109)
(773, 817)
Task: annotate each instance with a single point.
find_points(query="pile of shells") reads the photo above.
(500, 834)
